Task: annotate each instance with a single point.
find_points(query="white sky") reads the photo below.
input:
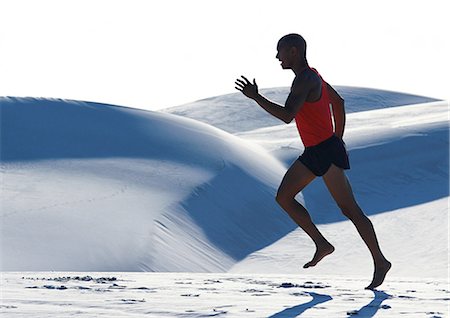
(156, 54)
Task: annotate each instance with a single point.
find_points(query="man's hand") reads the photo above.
(248, 89)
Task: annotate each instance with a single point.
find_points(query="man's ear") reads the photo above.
(293, 51)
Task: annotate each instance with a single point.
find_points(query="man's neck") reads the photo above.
(300, 67)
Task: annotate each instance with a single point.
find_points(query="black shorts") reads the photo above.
(319, 158)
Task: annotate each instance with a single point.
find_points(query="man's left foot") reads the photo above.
(321, 252)
(379, 275)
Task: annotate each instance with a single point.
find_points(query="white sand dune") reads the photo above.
(235, 113)
(95, 187)
(88, 188)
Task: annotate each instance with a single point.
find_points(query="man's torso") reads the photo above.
(314, 120)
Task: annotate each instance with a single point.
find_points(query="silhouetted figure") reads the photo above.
(325, 154)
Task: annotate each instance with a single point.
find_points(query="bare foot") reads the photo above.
(321, 252)
(379, 275)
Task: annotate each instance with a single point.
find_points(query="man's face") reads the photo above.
(284, 56)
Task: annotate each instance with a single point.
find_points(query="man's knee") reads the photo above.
(351, 210)
(279, 197)
(282, 198)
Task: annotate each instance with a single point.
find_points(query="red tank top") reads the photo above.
(314, 122)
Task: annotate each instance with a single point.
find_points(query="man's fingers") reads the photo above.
(245, 78)
(240, 85)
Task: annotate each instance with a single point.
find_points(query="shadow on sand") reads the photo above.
(367, 311)
(300, 309)
(371, 308)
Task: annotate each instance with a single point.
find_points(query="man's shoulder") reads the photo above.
(311, 75)
(307, 79)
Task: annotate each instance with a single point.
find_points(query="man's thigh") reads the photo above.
(296, 178)
(339, 186)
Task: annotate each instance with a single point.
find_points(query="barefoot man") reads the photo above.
(325, 154)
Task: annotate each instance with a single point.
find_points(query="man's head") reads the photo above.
(291, 49)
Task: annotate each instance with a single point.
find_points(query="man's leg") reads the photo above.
(340, 189)
(297, 178)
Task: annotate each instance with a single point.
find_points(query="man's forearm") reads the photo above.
(272, 108)
(339, 122)
(339, 118)
(338, 106)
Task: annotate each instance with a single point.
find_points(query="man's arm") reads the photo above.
(337, 104)
(287, 113)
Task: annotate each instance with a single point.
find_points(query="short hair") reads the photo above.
(294, 40)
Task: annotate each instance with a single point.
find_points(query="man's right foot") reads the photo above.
(321, 252)
(379, 275)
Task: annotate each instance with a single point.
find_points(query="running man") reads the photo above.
(325, 154)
